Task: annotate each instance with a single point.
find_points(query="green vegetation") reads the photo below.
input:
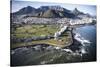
(35, 30)
(63, 41)
(27, 31)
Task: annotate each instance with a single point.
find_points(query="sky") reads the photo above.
(18, 4)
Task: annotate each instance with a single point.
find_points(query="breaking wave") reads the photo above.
(84, 43)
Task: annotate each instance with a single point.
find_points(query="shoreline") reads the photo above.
(64, 46)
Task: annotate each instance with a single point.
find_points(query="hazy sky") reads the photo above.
(18, 4)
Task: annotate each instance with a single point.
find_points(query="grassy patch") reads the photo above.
(63, 41)
(35, 30)
(27, 31)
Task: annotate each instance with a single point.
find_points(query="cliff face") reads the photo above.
(45, 11)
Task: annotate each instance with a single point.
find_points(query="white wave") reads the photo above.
(68, 50)
(83, 41)
(83, 51)
(57, 47)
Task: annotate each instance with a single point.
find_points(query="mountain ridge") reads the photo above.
(48, 12)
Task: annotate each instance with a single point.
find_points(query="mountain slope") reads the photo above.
(48, 12)
(77, 12)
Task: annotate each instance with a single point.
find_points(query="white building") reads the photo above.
(58, 33)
